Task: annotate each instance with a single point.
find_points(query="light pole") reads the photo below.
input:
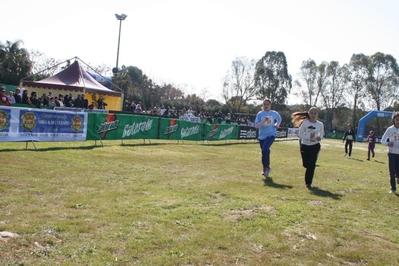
(120, 18)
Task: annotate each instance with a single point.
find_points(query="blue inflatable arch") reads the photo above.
(365, 119)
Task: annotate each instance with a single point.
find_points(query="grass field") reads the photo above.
(169, 203)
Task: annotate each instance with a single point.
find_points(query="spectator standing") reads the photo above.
(85, 102)
(68, 101)
(78, 102)
(17, 96)
(91, 106)
(61, 100)
(25, 97)
(163, 109)
(33, 99)
(11, 97)
(51, 103)
(267, 121)
(391, 139)
(57, 102)
(166, 112)
(371, 140)
(44, 100)
(4, 98)
(133, 107)
(173, 113)
(100, 103)
(138, 109)
(228, 118)
(349, 138)
(310, 133)
(126, 106)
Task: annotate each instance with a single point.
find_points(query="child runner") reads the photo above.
(391, 139)
(267, 121)
(349, 138)
(371, 141)
(311, 132)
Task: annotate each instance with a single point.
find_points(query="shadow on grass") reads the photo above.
(358, 160)
(324, 193)
(269, 183)
(38, 149)
(30, 146)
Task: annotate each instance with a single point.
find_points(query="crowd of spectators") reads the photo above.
(49, 101)
(46, 100)
(187, 113)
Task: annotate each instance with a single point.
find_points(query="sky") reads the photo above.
(192, 43)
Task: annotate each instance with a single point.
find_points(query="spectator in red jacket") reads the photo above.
(4, 98)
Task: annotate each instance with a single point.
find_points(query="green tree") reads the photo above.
(15, 63)
(194, 101)
(382, 82)
(213, 105)
(272, 79)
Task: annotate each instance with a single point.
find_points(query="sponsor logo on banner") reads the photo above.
(3, 120)
(186, 132)
(28, 121)
(77, 123)
(226, 132)
(173, 126)
(247, 134)
(213, 132)
(135, 128)
(281, 134)
(111, 123)
(293, 132)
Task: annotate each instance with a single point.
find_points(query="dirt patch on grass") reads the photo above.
(315, 202)
(370, 234)
(237, 215)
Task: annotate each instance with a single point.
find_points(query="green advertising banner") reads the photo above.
(171, 128)
(113, 126)
(220, 132)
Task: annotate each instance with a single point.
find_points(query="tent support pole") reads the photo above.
(95, 142)
(33, 143)
(148, 140)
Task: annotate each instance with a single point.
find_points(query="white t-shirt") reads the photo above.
(392, 133)
(307, 128)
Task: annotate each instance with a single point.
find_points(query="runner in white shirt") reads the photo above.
(311, 132)
(391, 139)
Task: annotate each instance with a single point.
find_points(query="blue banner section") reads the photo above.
(25, 124)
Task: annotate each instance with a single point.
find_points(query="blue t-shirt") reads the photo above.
(267, 129)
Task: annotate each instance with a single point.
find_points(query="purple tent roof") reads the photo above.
(73, 78)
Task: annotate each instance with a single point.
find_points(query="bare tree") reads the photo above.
(43, 66)
(308, 74)
(238, 84)
(356, 73)
(333, 90)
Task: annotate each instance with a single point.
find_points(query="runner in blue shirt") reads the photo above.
(267, 121)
